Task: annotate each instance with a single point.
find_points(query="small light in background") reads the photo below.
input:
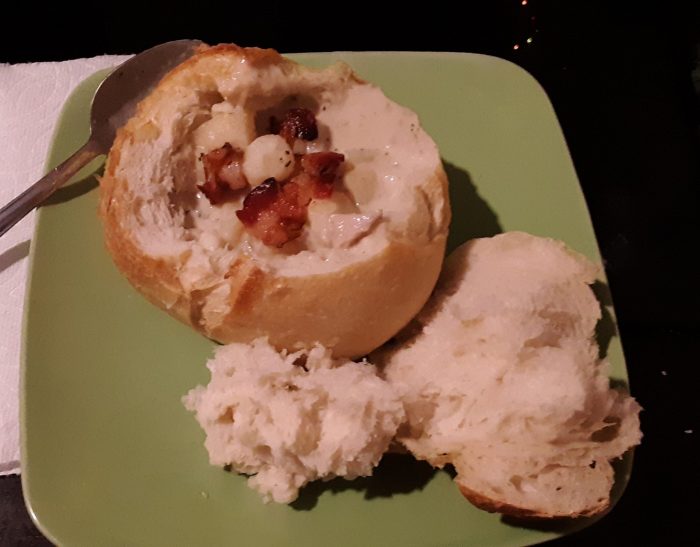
(516, 46)
(523, 3)
(529, 40)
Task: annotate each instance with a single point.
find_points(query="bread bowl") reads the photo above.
(347, 267)
(501, 377)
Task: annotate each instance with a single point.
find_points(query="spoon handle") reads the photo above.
(33, 196)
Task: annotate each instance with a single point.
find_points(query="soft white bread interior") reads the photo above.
(288, 419)
(501, 377)
(365, 260)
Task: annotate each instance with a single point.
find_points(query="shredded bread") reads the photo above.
(500, 376)
(288, 419)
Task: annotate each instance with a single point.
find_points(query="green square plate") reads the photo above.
(109, 454)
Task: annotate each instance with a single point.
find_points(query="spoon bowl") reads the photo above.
(118, 95)
(114, 103)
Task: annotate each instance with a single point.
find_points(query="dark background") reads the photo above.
(624, 79)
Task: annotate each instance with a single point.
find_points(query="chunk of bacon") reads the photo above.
(298, 123)
(223, 173)
(275, 212)
(322, 168)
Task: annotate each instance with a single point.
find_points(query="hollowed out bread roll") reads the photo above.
(501, 377)
(358, 268)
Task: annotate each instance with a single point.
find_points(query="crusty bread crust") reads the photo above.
(499, 506)
(352, 310)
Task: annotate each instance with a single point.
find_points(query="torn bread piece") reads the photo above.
(501, 377)
(291, 418)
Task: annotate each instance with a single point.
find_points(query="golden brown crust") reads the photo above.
(333, 306)
(497, 506)
(257, 57)
(352, 310)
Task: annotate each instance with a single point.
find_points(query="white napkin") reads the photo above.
(31, 97)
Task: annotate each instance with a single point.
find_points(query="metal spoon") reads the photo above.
(113, 104)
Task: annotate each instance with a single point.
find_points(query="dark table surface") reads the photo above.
(624, 80)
